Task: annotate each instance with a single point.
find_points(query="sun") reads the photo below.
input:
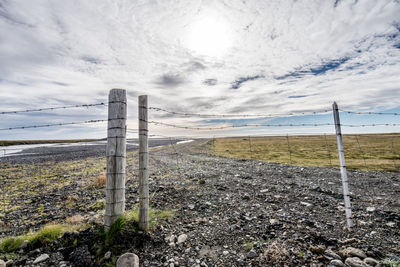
(208, 35)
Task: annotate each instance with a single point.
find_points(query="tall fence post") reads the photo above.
(343, 171)
(116, 156)
(251, 151)
(288, 145)
(143, 165)
(327, 149)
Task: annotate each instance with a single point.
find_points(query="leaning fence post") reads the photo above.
(143, 165)
(343, 171)
(116, 156)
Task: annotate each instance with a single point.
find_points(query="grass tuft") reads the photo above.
(45, 235)
(154, 215)
(114, 230)
(97, 182)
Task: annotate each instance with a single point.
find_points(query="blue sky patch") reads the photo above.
(318, 70)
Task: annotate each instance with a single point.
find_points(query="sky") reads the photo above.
(193, 56)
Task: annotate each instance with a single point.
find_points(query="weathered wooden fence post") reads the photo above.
(343, 171)
(143, 165)
(116, 156)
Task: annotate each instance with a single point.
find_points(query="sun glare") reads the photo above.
(209, 36)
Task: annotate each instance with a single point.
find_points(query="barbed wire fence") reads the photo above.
(41, 168)
(288, 148)
(357, 153)
(353, 140)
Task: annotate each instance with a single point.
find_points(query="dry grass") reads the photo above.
(97, 182)
(276, 253)
(75, 219)
(363, 152)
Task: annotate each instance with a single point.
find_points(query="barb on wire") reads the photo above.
(51, 125)
(238, 115)
(53, 108)
(238, 126)
(370, 112)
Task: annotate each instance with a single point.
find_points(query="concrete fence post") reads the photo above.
(343, 171)
(116, 156)
(143, 164)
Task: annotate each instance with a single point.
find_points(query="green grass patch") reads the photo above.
(154, 215)
(45, 235)
(362, 152)
(249, 245)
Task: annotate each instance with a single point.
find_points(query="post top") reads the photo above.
(117, 95)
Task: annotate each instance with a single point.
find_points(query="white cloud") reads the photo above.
(53, 53)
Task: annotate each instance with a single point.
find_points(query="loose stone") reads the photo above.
(41, 258)
(355, 262)
(182, 238)
(336, 262)
(252, 254)
(128, 260)
(371, 261)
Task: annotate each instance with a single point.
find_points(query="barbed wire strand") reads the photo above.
(239, 126)
(51, 125)
(269, 125)
(370, 112)
(54, 108)
(238, 115)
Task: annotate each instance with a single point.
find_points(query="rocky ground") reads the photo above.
(233, 212)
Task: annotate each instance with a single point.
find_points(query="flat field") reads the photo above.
(362, 151)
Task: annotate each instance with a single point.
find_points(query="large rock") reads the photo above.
(41, 258)
(355, 262)
(128, 260)
(353, 252)
(317, 249)
(371, 261)
(337, 263)
(332, 255)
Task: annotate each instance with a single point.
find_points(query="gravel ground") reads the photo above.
(234, 212)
